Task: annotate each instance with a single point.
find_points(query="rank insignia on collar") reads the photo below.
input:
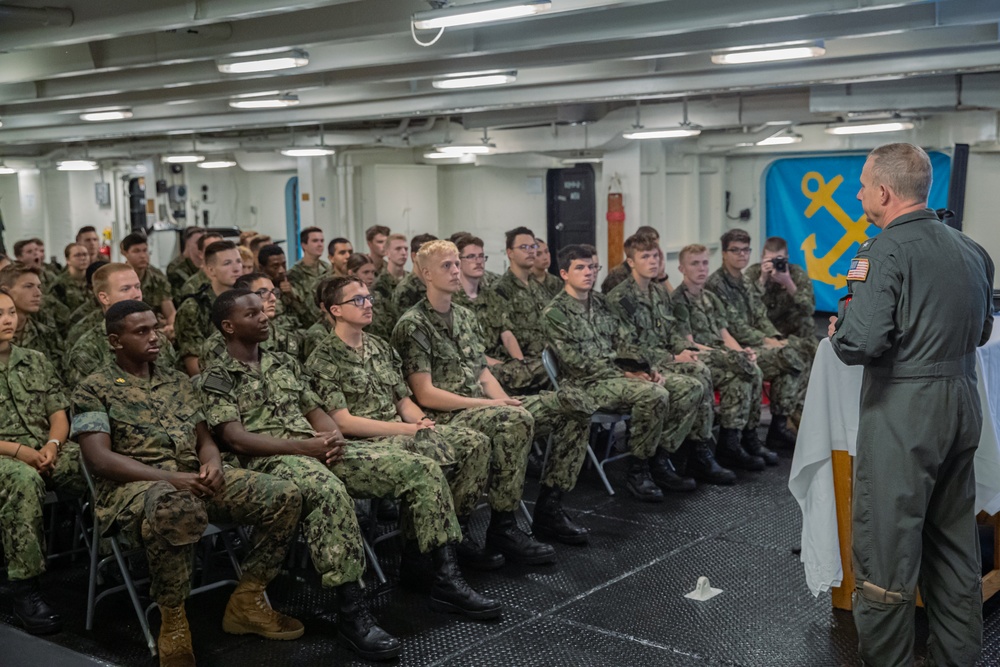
(119, 380)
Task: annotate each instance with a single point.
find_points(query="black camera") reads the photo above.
(780, 264)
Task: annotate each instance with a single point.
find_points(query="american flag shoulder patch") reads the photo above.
(858, 270)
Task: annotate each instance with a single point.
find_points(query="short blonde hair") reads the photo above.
(102, 276)
(434, 248)
(396, 237)
(692, 249)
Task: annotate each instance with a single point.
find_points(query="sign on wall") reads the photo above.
(812, 203)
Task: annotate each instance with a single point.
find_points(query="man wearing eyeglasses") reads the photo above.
(473, 266)
(784, 361)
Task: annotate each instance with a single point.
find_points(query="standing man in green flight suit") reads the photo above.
(920, 301)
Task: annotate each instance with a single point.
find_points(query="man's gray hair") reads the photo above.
(903, 168)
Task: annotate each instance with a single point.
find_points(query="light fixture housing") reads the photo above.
(108, 114)
(307, 151)
(186, 158)
(465, 149)
(847, 129)
(478, 12)
(769, 54)
(76, 165)
(583, 159)
(4, 170)
(483, 80)
(460, 158)
(780, 140)
(663, 133)
(264, 62)
(273, 102)
(216, 164)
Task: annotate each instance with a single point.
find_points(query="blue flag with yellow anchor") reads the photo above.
(812, 203)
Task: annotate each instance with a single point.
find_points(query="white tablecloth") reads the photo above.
(830, 421)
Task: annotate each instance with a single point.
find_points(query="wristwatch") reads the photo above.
(58, 444)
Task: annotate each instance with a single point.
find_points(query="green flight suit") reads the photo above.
(922, 301)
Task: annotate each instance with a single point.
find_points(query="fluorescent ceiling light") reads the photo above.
(458, 157)
(479, 12)
(570, 161)
(664, 133)
(315, 151)
(216, 164)
(279, 102)
(119, 114)
(76, 165)
(7, 170)
(465, 149)
(475, 80)
(768, 55)
(183, 159)
(870, 128)
(780, 140)
(270, 62)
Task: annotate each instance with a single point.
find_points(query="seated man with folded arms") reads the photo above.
(160, 480)
(588, 338)
(33, 458)
(260, 403)
(445, 365)
(113, 283)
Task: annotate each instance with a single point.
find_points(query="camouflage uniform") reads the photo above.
(39, 336)
(384, 286)
(155, 289)
(369, 384)
(30, 393)
(408, 292)
(54, 313)
(656, 338)
(489, 277)
(179, 270)
(293, 313)
(304, 280)
(273, 400)
(455, 357)
(279, 339)
(69, 291)
(586, 337)
(84, 318)
(791, 314)
(615, 276)
(92, 351)
(152, 420)
(193, 323)
(314, 335)
(552, 284)
(191, 286)
(786, 368)
(739, 380)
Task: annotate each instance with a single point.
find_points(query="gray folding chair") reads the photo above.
(605, 420)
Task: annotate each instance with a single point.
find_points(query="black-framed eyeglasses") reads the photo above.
(359, 300)
(475, 258)
(525, 247)
(263, 293)
(739, 251)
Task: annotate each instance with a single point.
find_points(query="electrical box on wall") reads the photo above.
(102, 193)
(177, 194)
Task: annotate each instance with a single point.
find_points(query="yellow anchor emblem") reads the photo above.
(821, 197)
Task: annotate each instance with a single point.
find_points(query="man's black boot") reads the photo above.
(753, 446)
(666, 476)
(779, 436)
(450, 593)
(357, 629)
(552, 522)
(470, 554)
(704, 468)
(640, 483)
(682, 457)
(31, 610)
(731, 453)
(515, 544)
(415, 569)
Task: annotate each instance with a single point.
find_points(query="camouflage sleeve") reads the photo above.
(55, 394)
(327, 390)
(574, 352)
(400, 390)
(90, 414)
(492, 315)
(218, 398)
(805, 302)
(161, 287)
(414, 347)
(308, 399)
(761, 322)
(186, 328)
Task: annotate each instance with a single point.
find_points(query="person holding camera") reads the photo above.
(786, 291)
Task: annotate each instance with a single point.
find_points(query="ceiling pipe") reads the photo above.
(46, 16)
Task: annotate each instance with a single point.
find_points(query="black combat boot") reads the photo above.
(515, 544)
(470, 554)
(387, 510)
(552, 522)
(640, 483)
(779, 436)
(357, 629)
(704, 468)
(450, 593)
(752, 445)
(682, 457)
(731, 453)
(666, 476)
(416, 572)
(31, 610)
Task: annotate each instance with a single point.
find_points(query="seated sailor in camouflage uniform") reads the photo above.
(291, 311)
(540, 270)
(34, 456)
(397, 251)
(199, 279)
(411, 287)
(160, 480)
(24, 285)
(588, 338)
(308, 271)
(155, 286)
(647, 312)
(704, 319)
(70, 286)
(445, 365)
(784, 361)
(112, 283)
(188, 262)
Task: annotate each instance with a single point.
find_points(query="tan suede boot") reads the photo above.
(249, 613)
(174, 644)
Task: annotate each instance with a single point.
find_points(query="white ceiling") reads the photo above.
(367, 81)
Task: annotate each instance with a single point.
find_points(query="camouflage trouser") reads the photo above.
(510, 431)
(379, 470)
(521, 377)
(649, 405)
(739, 396)
(462, 454)
(806, 347)
(702, 414)
(564, 415)
(782, 367)
(169, 522)
(328, 519)
(22, 495)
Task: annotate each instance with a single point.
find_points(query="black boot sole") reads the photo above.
(514, 557)
(475, 614)
(40, 629)
(483, 564)
(645, 497)
(549, 535)
(386, 654)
